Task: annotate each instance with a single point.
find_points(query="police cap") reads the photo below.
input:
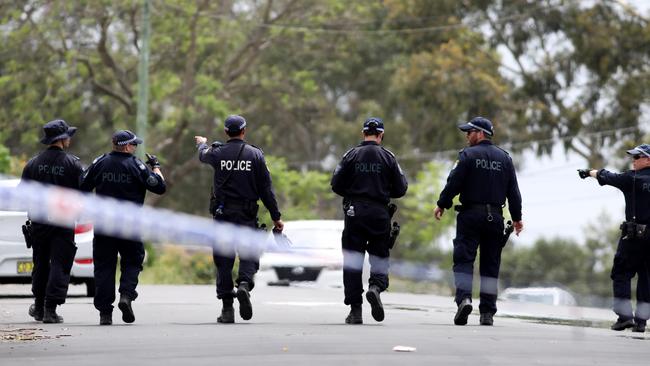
(57, 130)
(234, 123)
(643, 149)
(125, 137)
(478, 123)
(373, 124)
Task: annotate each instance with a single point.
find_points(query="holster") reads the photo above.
(632, 230)
(28, 233)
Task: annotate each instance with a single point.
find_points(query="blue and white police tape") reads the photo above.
(123, 219)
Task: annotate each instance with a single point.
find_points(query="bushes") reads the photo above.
(169, 264)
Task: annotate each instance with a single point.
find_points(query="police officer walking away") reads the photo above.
(484, 177)
(633, 253)
(119, 174)
(241, 178)
(367, 177)
(53, 246)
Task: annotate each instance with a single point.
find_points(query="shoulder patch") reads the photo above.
(152, 181)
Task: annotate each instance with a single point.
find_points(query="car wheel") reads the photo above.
(298, 273)
(90, 287)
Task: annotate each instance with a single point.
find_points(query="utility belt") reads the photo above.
(247, 206)
(487, 208)
(633, 230)
(348, 201)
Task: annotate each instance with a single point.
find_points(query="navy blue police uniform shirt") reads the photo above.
(54, 166)
(369, 171)
(484, 174)
(122, 176)
(250, 178)
(636, 189)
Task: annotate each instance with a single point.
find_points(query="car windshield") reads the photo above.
(315, 238)
(538, 298)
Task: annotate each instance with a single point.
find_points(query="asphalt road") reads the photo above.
(303, 325)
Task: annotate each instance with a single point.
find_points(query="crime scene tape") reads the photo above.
(123, 219)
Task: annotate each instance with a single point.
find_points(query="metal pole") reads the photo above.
(143, 80)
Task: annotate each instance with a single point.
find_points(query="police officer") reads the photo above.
(633, 253)
(367, 177)
(121, 175)
(484, 176)
(241, 178)
(53, 246)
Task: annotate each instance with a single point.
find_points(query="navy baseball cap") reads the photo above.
(478, 123)
(234, 123)
(643, 149)
(57, 130)
(373, 123)
(125, 137)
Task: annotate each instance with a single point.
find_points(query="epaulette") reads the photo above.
(97, 159)
(388, 151)
(251, 145)
(75, 157)
(347, 152)
(139, 163)
(507, 153)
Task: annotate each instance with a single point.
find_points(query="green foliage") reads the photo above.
(175, 265)
(417, 240)
(5, 160)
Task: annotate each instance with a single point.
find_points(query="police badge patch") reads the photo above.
(152, 181)
(141, 166)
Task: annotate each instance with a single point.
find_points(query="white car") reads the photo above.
(16, 259)
(543, 295)
(315, 245)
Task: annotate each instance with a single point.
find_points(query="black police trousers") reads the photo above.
(224, 256)
(473, 230)
(632, 258)
(53, 254)
(105, 251)
(367, 231)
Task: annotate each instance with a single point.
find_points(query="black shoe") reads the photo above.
(36, 312)
(127, 311)
(375, 303)
(105, 318)
(638, 328)
(486, 319)
(227, 316)
(355, 316)
(622, 324)
(50, 316)
(464, 309)
(244, 298)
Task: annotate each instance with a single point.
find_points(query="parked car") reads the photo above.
(16, 259)
(315, 245)
(542, 295)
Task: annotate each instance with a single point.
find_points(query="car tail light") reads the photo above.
(83, 228)
(84, 261)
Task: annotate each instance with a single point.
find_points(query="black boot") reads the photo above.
(486, 319)
(622, 324)
(50, 315)
(105, 318)
(244, 298)
(36, 311)
(375, 303)
(227, 312)
(464, 309)
(125, 307)
(355, 316)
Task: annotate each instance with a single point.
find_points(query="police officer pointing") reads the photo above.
(241, 178)
(53, 246)
(484, 177)
(367, 178)
(633, 253)
(121, 175)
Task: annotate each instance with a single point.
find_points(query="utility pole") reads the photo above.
(143, 80)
